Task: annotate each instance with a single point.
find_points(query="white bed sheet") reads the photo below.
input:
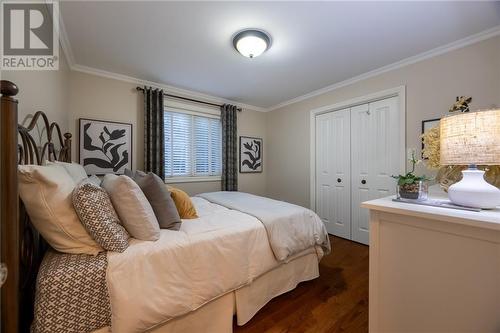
(290, 228)
(213, 255)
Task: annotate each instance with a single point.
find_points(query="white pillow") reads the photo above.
(46, 192)
(75, 170)
(134, 210)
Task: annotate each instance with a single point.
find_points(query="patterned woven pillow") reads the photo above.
(98, 216)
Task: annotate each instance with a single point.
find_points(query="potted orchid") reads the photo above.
(411, 186)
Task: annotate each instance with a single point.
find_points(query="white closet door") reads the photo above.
(375, 156)
(333, 171)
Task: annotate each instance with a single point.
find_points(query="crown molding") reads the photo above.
(487, 34)
(65, 44)
(167, 88)
(63, 38)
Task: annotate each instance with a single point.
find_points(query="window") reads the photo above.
(193, 144)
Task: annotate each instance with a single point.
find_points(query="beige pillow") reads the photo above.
(46, 192)
(134, 210)
(75, 170)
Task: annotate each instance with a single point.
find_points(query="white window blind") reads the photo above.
(193, 145)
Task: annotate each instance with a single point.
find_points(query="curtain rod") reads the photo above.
(188, 99)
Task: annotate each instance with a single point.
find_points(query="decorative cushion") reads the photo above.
(159, 197)
(96, 212)
(134, 210)
(183, 203)
(130, 173)
(46, 193)
(75, 170)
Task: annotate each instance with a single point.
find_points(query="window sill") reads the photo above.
(173, 180)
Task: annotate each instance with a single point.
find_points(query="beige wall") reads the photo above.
(108, 99)
(252, 123)
(65, 96)
(45, 91)
(431, 87)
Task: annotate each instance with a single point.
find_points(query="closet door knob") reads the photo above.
(363, 182)
(339, 180)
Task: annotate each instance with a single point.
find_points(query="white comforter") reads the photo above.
(152, 282)
(290, 228)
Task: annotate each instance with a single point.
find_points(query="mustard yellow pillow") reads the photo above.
(183, 203)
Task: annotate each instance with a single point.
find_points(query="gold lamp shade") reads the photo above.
(471, 138)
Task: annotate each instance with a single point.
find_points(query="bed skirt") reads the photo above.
(245, 302)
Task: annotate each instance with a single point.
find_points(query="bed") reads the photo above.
(231, 270)
(240, 252)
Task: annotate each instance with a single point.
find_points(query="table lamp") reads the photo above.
(472, 139)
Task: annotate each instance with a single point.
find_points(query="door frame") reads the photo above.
(399, 92)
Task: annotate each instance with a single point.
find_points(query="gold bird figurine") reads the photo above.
(461, 104)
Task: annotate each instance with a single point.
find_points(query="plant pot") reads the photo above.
(416, 191)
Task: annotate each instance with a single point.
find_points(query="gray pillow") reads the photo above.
(129, 173)
(159, 198)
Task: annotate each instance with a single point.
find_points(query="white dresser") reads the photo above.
(433, 269)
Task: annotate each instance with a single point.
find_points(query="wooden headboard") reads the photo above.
(22, 248)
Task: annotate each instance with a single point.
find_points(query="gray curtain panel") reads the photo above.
(154, 144)
(229, 148)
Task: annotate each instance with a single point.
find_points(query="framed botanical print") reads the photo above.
(427, 125)
(105, 146)
(250, 154)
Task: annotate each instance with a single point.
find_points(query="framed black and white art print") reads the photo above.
(250, 154)
(105, 146)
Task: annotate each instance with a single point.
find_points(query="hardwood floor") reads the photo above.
(337, 301)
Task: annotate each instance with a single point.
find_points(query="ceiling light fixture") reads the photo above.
(251, 43)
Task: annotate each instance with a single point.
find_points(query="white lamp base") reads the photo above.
(474, 191)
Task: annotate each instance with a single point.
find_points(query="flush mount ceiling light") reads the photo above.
(251, 43)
